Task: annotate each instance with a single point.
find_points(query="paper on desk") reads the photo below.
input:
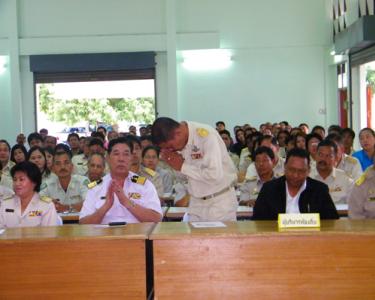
(207, 224)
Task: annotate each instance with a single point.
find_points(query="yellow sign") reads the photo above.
(298, 220)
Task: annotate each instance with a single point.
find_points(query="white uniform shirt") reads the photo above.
(207, 164)
(75, 193)
(6, 181)
(38, 213)
(351, 166)
(278, 169)
(339, 184)
(292, 203)
(144, 195)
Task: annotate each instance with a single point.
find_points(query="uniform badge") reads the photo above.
(102, 198)
(35, 213)
(196, 155)
(371, 199)
(10, 210)
(336, 189)
(138, 179)
(202, 132)
(46, 199)
(94, 183)
(195, 148)
(135, 196)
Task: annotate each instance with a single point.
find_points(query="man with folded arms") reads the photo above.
(294, 192)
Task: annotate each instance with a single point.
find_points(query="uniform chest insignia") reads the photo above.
(35, 213)
(7, 197)
(80, 163)
(135, 196)
(253, 178)
(46, 199)
(138, 179)
(9, 210)
(149, 172)
(371, 199)
(93, 184)
(336, 189)
(202, 132)
(196, 155)
(195, 148)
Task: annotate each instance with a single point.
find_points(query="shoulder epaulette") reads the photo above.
(149, 172)
(253, 178)
(361, 179)
(202, 132)
(8, 197)
(138, 179)
(351, 159)
(46, 199)
(93, 184)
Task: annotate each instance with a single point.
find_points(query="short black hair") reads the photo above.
(272, 139)
(316, 127)
(162, 130)
(62, 148)
(134, 140)
(16, 147)
(119, 140)
(298, 152)
(6, 143)
(146, 137)
(151, 147)
(220, 123)
(34, 136)
(348, 131)
(32, 172)
(224, 131)
(263, 150)
(311, 136)
(328, 143)
(335, 137)
(97, 154)
(73, 135)
(335, 128)
(97, 134)
(101, 127)
(303, 124)
(96, 141)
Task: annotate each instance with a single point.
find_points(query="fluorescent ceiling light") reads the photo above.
(213, 59)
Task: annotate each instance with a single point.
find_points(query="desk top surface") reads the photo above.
(74, 232)
(180, 230)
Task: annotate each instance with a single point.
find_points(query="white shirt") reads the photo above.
(292, 206)
(207, 163)
(39, 212)
(144, 195)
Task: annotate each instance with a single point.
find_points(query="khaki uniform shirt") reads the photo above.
(75, 193)
(6, 169)
(5, 192)
(361, 200)
(80, 163)
(236, 160)
(40, 212)
(250, 189)
(351, 166)
(339, 184)
(142, 193)
(167, 180)
(155, 179)
(6, 181)
(278, 170)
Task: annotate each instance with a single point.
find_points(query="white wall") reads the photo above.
(280, 68)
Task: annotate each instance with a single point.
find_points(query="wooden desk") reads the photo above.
(254, 259)
(177, 213)
(76, 261)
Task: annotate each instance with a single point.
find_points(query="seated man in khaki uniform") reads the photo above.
(67, 190)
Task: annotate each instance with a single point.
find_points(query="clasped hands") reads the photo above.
(172, 158)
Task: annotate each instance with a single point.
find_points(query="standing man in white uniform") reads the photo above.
(198, 151)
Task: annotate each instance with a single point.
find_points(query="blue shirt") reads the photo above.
(363, 159)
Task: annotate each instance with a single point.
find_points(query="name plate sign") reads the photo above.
(298, 220)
